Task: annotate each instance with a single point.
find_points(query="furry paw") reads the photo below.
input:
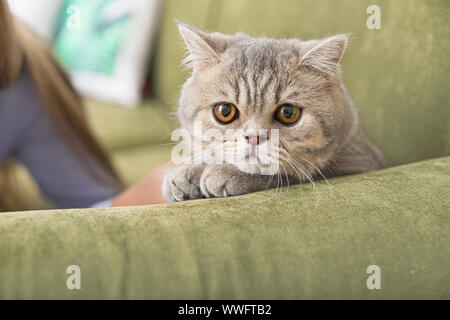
(226, 180)
(182, 183)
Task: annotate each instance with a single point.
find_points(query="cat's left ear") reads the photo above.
(204, 48)
(325, 55)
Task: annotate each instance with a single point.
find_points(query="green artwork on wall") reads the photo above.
(90, 34)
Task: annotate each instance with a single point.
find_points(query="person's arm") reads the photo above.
(146, 192)
(40, 147)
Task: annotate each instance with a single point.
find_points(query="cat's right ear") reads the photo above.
(203, 48)
(324, 55)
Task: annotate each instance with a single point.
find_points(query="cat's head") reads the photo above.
(246, 83)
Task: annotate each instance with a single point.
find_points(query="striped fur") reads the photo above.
(257, 75)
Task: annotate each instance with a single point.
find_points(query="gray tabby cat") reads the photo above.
(240, 82)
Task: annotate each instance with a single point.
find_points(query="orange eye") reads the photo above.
(225, 112)
(288, 114)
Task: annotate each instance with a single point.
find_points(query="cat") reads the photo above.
(293, 86)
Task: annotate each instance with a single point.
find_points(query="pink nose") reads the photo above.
(252, 139)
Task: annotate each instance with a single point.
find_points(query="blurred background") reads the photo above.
(124, 57)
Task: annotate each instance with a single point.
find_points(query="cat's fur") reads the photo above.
(256, 75)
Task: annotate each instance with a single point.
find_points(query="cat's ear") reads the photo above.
(204, 48)
(325, 55)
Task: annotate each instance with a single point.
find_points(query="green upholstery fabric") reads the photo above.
(120, 128)
(168, 75)
(135, 163)
(30, 195)
(291, 244)
(398, 76)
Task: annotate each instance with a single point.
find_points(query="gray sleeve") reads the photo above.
(28, 134)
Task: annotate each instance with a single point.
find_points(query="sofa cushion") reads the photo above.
(120, 128)
(134, 164)
(291, 244)
(168, 73)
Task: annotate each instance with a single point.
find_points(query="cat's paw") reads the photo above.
(225, 180)
(182, 183)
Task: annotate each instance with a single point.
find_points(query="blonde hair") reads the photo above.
(19, 46)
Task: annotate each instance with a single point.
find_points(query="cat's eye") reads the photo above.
(288, 114)
(225, 112)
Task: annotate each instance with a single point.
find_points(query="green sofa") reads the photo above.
(293, 243)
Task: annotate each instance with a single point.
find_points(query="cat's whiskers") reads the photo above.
(320, 173)
(299, 169)
(314, 189)
(286, 174)
(294, 164)
(307, 174)
(296, 171)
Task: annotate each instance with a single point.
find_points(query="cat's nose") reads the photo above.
(255, 140)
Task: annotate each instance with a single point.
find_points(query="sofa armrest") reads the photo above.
(289, 244)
